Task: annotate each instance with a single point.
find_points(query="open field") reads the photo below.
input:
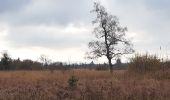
(91, 85)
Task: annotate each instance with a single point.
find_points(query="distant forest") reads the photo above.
(7, 63)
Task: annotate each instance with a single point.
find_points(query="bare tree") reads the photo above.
(45, 60)
(110, 36)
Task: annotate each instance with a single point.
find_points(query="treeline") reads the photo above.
(7, 63)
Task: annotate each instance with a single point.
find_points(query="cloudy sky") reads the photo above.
(61, 29)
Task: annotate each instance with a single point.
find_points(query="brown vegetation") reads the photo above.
(144, 63)
(91, 85)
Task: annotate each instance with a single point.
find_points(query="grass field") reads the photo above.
(91, 85)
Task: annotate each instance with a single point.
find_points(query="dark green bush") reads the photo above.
(5, 63)
(72, 81)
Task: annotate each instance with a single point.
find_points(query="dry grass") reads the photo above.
(92, 85)
(144, 63)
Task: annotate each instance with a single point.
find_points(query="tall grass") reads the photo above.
(144, 63)
(91, 85)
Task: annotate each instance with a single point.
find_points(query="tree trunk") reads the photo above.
(110, 65)
(107, 48)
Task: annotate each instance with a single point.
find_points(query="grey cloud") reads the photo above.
(48, 12)
(52, 13)
(35, 37)
(12, 5)
(149, 19)
(158, 4)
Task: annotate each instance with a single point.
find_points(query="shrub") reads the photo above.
(144, 63)
(102, 67)
(72, 81)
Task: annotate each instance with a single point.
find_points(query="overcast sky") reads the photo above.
(61, 29)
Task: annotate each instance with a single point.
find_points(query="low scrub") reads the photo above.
(144, 63)
(102, 67)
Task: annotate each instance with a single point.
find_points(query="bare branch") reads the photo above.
(111, 41)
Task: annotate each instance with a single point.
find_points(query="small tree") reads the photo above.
(45, 60)
(72, 81)
(5, 61)
(110, 36)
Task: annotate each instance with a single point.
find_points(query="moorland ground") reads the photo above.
(90, 85)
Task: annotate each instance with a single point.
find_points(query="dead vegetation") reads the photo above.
(91, 85)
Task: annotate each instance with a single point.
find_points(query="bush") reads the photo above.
(72, 81)
(144, 63)
(105, 67)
